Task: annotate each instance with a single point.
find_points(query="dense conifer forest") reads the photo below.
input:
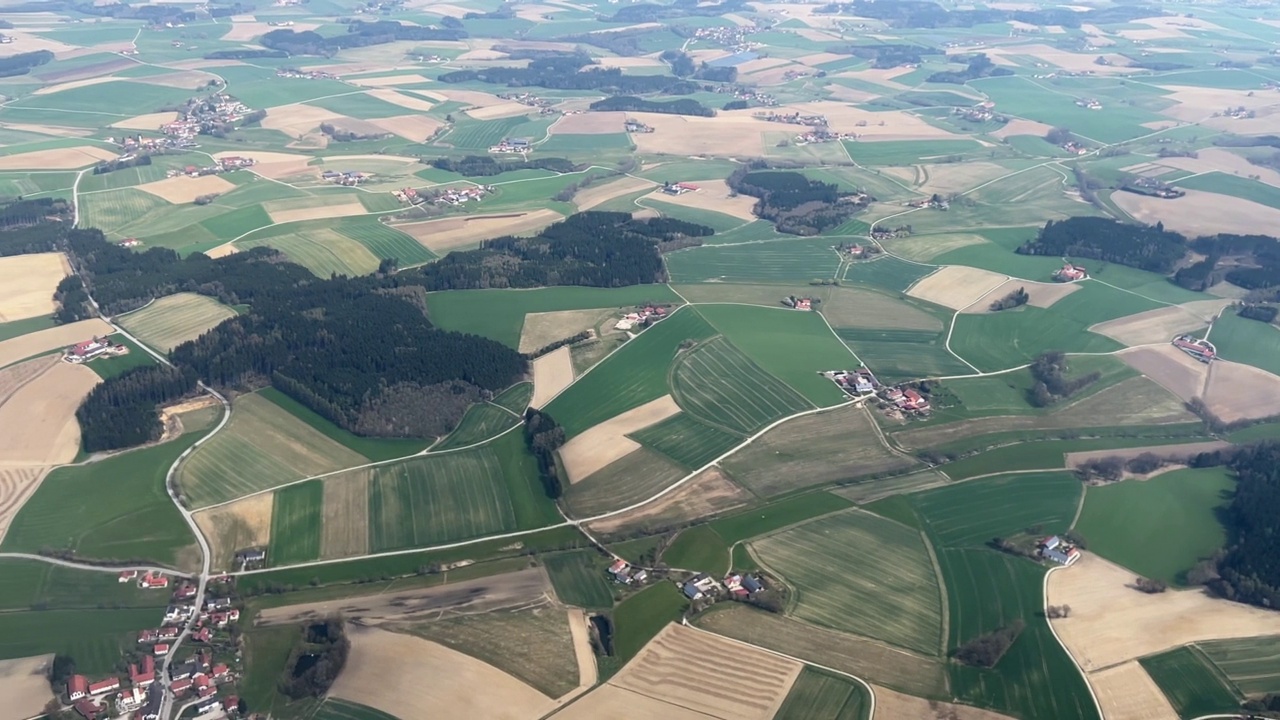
(628, 103)
(572, 72)
(1145, 247)
(793, 202)
(483, 165)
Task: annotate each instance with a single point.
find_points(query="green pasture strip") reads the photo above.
(642, 616)
(717, 383)
(95, 639)
(718, 221)
(266, 653)
(924, 356)
(482, 421)
(1128, 522)
(1247, 341)
(820, 694)
(910, 152)
(687, 441)
(630, 377)
(784, 260)
(36, 585)
(141, 98)
(971, 514)
(533, 509)
(860, 573)
(700, 549)
(579, 579)
(342, 710)
(885, 273)
(515, 398)
(15, 328)
(1191, 683)
(121, 510)
(110, 366)
(360, 106)
(175, 319)
(374, 449)
(296, 518)
(1040, 455)
(385, 242)
(499, 314)
(1008, 393)
(1251, 664)
(1235, 186)
(1169, 433)
(777, 515)
(1025, 98)
(323, 252)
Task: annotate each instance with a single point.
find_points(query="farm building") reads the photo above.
(87, 350)
(679, 188)
(1053, 548)
(251, 556)
(1070, 273)
(86, 709)
(1202, 350)
(160, 650)
(143, 673)
(127, 576)
(77, 687)
(153, 581)
(104, 686)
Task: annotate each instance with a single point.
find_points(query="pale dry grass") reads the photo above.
(1111, 622)
(182, 189)
(1077, 62)
(72, 85)
(54, 130)
(346, 515)
(712, 195)
(611, 701)
(1022, 127)
(552, 373)
(242, 524)
(40, 422)
(189, 79)
(629, 62)
(42, 341)
(819, 58)
(221, 251)
(589, 123)
(1199, 212)
(442, 236)
(709, 493)
(14, 377)
(1170, 368)
(389, 81)
(1198, 103)
(1236, 391)
(150, 121)
(896, 705)
(956, 286)
(401, 675)
(503, 110)
(410, 127)
(606, 442)
(24, 686)
(470, 97)
(398, 98)
(603, 193)
(246, 31)
(947, 178)
(57, 159)
(344, 209)
(29, 282)
(582, 652)
(1162, 324)
(1127, 692)
(542, 329)
(298, 120)
(1041, 295)
(16, 485)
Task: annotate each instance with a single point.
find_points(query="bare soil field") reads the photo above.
(1076, 62)
(582, 652)
(246, 31)
(441, 236)
(190, 79)
(274, 165)
(1162, 324)
(386, 671)
(1199, 212)
(242, 524)
(181, 189)
(712, 195)
(1112, 623)
(542, 329)
(222, 251)
(607, 442)
(389, 81)
(724, 135)
(343, 209)
(710, 493)
(345, 531)
(956, 286)
(1178, 452)
(1042, 295)
(552, 373)
(150, 121)
(1136, 401)
(896, 705)
(24, 687)
(58, 159)
(54, 130)
(410, 127)
(599, 194)
(706, 673)
(29, 282)
(297, 119)
(1236, 391)
(16, 485)
(39, 418)
(471, 97)
(897, 125)
(405, 101)
(1127, 692)
(1197, 103)
(1170, 368)
(629, 62)
(42, 341)
(503, 110)
(589, 123)
(819, 58)
(508, 590)
(1225, 161)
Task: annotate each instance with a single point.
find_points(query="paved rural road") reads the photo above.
(87, 566)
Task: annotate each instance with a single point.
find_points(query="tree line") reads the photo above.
(652, 12)
(628, 103)
(359, 34)
(573, 72)
(22, 63)
(1145, 247)
(106, 166)
(1249, 261)
(543, 436)
(483, 165)
(977, 66)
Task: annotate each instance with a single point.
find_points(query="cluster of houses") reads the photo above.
(1070, 273)
(642, 316)
(530, 100)
(854, 382)
(933, 203)
(679, 188)
(202, 115)
(1057, 550)
(1152, 187)
(134, 144)
(408, 195)
(304, 74)
(795, 118)
(907, 400)
(1200, 349)
(1089, 103)
(857, 251)
(738, 585)
(623, 574)
(733, 37)
(512, 146)
(980, 113)
(226, 164)
(83, 352)
(348, 178)
(139, 696)
(748, 94)
(460, 195)
(823, 135)
(1074, 147)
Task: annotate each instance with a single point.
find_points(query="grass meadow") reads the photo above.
(819, 694)
(384, 241)
(261, 447)
(372, 448)
(94, 638)
(1128, 522)
(175, 319)
(482, 421)
(789, 259)
(1247, 341)
(687, 441)
(970, 514)
(718, 384)
(578, 578)
(634, 478)
(638, 618)
(860, 573)
(515, 398)
(1192, 684)
(36, 585)
(911, 152)
(1251, 664)
(699, 549)
(777, 515)
(323, 252)
(297, 515)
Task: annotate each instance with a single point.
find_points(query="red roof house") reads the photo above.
(104, 686)
(77, 687)
(87, 710)
(161, 650)
(180, 686)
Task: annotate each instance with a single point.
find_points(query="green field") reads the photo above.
(109, 367)
(579, 579)
(911, 152)
(1039, 455)
(499, 314)
(777, 515)
(788, 259)
(95, 638)
(699, 549)
(384, 241)
(323, 252)
(296, 518)
(860, 573)
(1191, 682)
(175, 319)
(1128, 522)
(633, 478)
(515, 398)
(1251, 664)
(970, 514)
(14, 328)
(638, 618)
(1247, 341)
(687, 441)
(371, 448)
(122, 511)
(261, 447)
(483, 134)
(1026, 98)
(482, 421)
(36, 585)
(1235, 186)
(719, 385)
(630, 377)
(903, 354)
(819, 694)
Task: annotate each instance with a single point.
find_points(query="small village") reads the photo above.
(699, 587)
(226, 164)
(898, 401)
(201, 680)
(202, 116)
(294, 73)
